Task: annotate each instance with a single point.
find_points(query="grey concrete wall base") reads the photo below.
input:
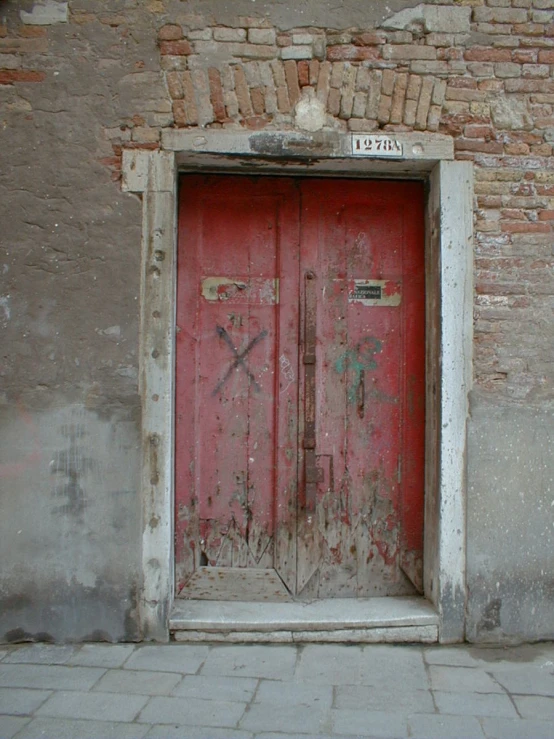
(70, 569)
(510, 563)
(425, 156)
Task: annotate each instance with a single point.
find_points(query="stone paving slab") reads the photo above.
(183, 658)
(267, 661)
(45, 676)
(21, 702)
(66, 728)
(10, 725)
(72, 704)
(294, 719)
(462, 680)
(163, 731)
(141, 682)
(503, 728)
(102, 655)
(277, 693)
(531, 681)
(41, 654)
(192, 712)
(475, 704)
(378, 698)
(181, 691)
(235, 689)
(535, 707)
(378, 723)
(330, 665)
(445, 727)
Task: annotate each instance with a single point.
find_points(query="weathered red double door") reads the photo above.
(299, 388)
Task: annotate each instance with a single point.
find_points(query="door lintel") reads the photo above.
(449, 229)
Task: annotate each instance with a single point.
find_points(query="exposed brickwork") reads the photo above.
(495, 97)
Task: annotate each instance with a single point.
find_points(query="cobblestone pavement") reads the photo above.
(266, 692)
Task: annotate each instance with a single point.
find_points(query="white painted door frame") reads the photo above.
(449, 249)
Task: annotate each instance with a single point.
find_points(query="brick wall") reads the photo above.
(479, 70)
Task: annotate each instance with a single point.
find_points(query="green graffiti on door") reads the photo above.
(358, 360)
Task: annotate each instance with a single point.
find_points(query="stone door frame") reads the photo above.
(449, 309)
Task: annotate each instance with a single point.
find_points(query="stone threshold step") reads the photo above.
(402, 619)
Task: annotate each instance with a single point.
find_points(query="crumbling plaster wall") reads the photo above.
(80, 81)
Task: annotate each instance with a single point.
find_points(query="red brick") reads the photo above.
(478, 131)
(314, 72)
(350, 53)
(486, 147)
(545, 190)
(137, 145)
(546, 56)
(543, 150)
(546, 215)
(191, 111)
(291, 76)
(170, 32)
(524, 56)
(516, 85)
(113, 20)
(179, 113)
(518, 148)
(489, 201)
(258, 100)
(450, 54)
(284, 40)
(9, 76)
(485, 54)
(256, 122)
(32, 32)
(216, 94)
(242, 93)
(369, 39)
(491, 85)
(176, 48)
(465, 82)
(333, 101)
(513, 214)
(3, 31)
(521, 227)
(303, 73)
(82, 18)
(529, 29)
(174, 85)
(23, 45)
(283, 102)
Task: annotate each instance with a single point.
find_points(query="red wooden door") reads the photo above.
(300, 388)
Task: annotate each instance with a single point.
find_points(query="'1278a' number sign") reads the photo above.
(373, 145)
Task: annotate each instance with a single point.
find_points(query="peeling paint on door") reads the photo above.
(300, 421)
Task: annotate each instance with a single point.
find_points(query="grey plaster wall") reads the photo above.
(69, 405)
(510, 567)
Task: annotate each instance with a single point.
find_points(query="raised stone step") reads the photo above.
(402, 619)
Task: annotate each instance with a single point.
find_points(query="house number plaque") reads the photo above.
(374, 145)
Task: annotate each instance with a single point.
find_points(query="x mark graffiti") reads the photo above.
(239, 358)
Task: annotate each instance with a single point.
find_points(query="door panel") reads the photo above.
(363, 243)
(237, 321)
(300, 388)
